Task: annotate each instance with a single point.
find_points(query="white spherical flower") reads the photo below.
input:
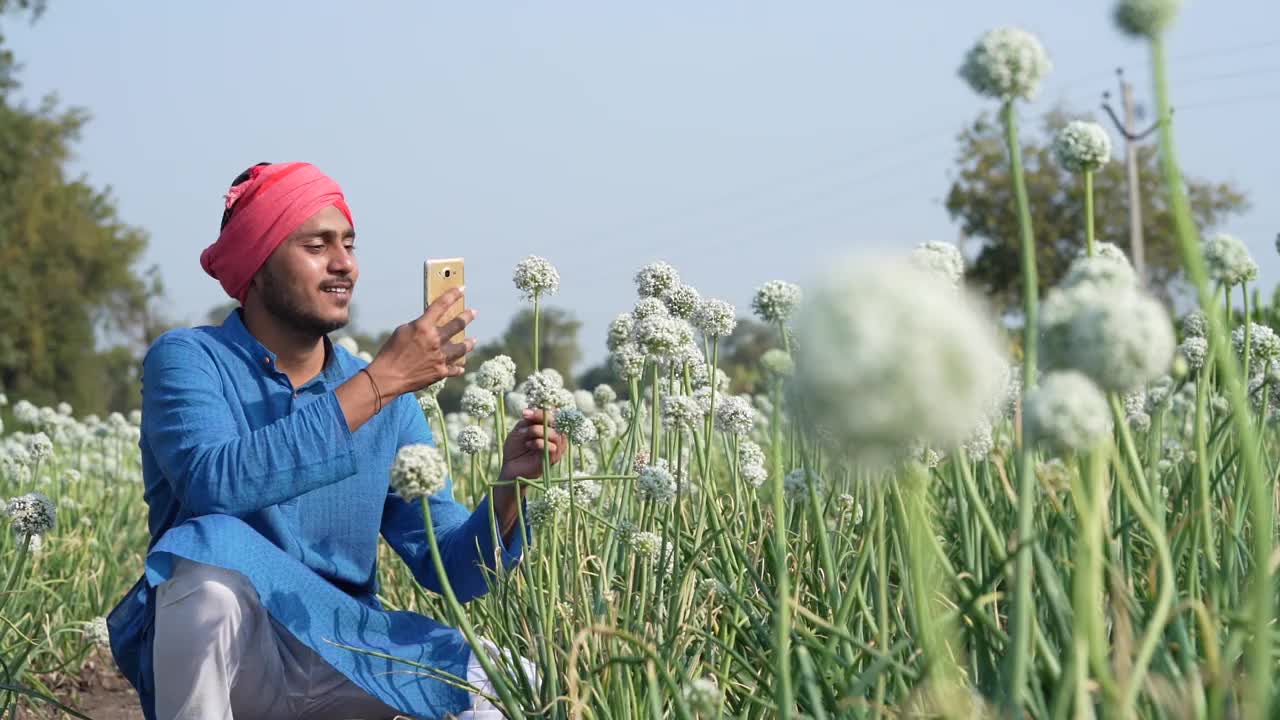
(536, 277)
(754, 474)
(942, 258)
(64, 409)
(1139, 421)
(620, 331)
(628, 361)
(715, 318)
(646, 543)
(680, 411)
(606, 426)
(586, 491)
(1194, 324)
(584, 401)
(795, 485)
(1082, 146)
(647, 308)
(735, 415)
(418, 470)
(662, 337)
(749, 453)
(554, 376)
(889, 355)
(1067, 411)
(1195, 350)
(95, 631)
(539, 513)
(778, 363)
(542, 390)
(478, 402)
(497, 374)
(604, 394)
(31, 514)
(980, 443)
(348, 343)
(1228, 260)
(1006, 63)
(775, 301)
(472, 439)
(1120, 337)
(516, 402)
(575, 425)
(655, 279)
(1264, 344)
(1099, 271)
(1145, 18)
(682, 300)
(655, 484)
(26, 413)
(702, 695)
(40, 447)
(135, 418)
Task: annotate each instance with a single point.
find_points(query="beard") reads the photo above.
(290, 311)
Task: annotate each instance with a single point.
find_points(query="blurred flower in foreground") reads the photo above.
(1067, 412)
(890, 355)
(942, 258)
(1145, 18)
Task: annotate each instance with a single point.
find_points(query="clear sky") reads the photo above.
(740, 141)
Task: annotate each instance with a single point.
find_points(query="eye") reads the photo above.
(314, 248)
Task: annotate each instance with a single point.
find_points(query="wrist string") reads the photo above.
(377, 394)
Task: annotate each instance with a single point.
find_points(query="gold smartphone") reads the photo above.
(439, 276)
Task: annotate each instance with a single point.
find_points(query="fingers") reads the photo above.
(441, 305)
(458, 324)
(537, 444)
(454, 351)
(535, 415)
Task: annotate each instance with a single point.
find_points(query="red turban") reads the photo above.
(271, 204)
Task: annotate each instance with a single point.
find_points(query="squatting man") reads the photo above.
(266, 453)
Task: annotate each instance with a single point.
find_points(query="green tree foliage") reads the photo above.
(69, 281)
(981, 200)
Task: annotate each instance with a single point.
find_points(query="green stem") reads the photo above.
(1088, 211)
(495, 674)
(1257, 694)
(1023, 619)
(782, 610)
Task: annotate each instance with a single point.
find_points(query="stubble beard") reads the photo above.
(277, 301)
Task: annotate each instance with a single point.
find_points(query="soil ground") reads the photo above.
(99, 692)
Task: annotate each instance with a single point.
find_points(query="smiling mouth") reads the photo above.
(342, 291)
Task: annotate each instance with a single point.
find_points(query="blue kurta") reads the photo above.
(245, 472)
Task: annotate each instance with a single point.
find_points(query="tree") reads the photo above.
(981, 199)
(69, 283)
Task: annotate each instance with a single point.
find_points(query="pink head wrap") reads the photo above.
(271, 204)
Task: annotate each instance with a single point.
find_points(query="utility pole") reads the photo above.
(1129, 131)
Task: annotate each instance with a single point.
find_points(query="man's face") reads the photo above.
(308, 281)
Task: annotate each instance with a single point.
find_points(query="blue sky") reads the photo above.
(740, 141)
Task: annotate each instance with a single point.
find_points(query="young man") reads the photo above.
(266, 452)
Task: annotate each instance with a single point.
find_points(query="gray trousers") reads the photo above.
(219, 655)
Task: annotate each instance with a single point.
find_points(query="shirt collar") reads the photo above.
(235, 330)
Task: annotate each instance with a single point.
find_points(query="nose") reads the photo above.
(342, 261)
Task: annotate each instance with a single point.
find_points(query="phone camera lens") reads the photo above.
(448, 272)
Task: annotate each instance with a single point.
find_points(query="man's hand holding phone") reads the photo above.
(419, 353)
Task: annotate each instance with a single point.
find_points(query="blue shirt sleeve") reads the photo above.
(212, 467)
(465, 538)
